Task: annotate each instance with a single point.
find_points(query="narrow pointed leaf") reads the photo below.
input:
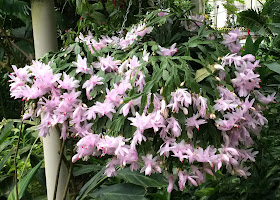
(91, 184)
(5, 132)
(135, 177)
(123, 191)
(5, 159)
(23, 183)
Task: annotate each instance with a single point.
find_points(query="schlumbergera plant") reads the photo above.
(162, 97)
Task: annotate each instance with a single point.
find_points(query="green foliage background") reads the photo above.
(88, 179)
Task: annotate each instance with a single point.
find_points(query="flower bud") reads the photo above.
(219, 67)
(161, 90)
(217, 78)
(164, 110)
(185, 110)
(212, 116)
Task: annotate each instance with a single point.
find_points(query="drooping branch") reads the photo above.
(14, 45)
(18, 38)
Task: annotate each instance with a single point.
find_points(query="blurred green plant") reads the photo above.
(29, 155)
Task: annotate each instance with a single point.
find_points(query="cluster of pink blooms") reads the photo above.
(117, 42)
(231, 41)
(59, 103)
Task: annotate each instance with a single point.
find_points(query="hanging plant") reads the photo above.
(166, 97)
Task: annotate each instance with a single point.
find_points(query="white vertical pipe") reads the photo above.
(199, 6)
(44, 33)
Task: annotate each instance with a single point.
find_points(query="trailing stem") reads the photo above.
(16, 151)
(70, 170)
(58, 169)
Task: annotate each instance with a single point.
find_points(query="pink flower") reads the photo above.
(227, 95)
(171, 178)
(97, 45)
(68, 101)
(249, 57)
(130, 106)
(134, 62)
(180, 98)
(194, 122)
(200, 176)
(91, 83)
(248, 154)
(131, 157)
(141, 122)
(107, 64)
(138, 137)
(231, 37)
(87, 147)
(142, 29)
(122, 87)
(151, 164)
(179, 150)
(106, 108)
(91, 113)
(182, 180)
(233, 58)
(232, 42)
(234, 47)
(245, 82)
(68, 83)
(156, 120)
(79, 114)
(201, 104)
(21, 73)
(165, 147)
(225, 125)
(124, 67)
(113, 97)
(222, 104)
(83, 130)
(111, 170)
(174, 126)
(81, 65)
(162, 14)
(241, 171)
(207, 155)
(167, 52)
(140, 82)
(264, 99)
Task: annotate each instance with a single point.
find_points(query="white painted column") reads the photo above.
(44, 33)
(199, 6)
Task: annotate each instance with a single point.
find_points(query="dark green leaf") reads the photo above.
(5, 131)
(249, 46)
(6, 144)
(5, 159)
(273, 66)
(23, 183)
(252, 20)
(274, 27)
(84, 169)
(205, 192)
(91, 184)
(123, 191)
(137, 178)
(165, 75)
